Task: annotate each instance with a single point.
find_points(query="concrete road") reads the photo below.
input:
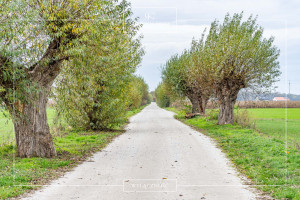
(157, 158)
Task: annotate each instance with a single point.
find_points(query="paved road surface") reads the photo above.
(157, 158)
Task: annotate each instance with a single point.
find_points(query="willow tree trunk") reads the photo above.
(226, 108)
(227, 97)
(198, 102)
(195, 103)
(32, 132)
(203, 104)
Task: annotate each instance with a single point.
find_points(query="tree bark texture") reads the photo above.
(32, 132)
(227, 93)
(198, 103)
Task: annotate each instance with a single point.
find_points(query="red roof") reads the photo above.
(281, 99)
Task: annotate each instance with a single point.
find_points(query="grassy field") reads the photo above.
(275, 113)
(279, 123)
(18, 176)
(260, 155)
(6, 126)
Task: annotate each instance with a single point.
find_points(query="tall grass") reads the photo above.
(268, 104)
(243, 118)
(179, 104)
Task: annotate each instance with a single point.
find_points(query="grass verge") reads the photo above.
(263, 159)
(18, 176)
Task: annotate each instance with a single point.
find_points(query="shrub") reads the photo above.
(162, 99)
(242, 118)
(212, 114)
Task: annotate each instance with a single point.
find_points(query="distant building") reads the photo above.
(281, 99)
(262, 99)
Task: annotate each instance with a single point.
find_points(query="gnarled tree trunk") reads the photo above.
(226, 108)
(203, 104)
(227, 95)
(195, 103)
(198, 103)
(32, 132)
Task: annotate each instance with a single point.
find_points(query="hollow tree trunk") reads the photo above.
(32, 132)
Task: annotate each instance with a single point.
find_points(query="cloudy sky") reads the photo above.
(170, 25)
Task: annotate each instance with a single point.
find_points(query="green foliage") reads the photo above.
(238, 51)
(38, 34)
(212, 114)
(138, 93)
(233, 56)
(150, 98)
(94, 88)
(38, 39)
(161, 96)
(243, 119)
(175, 75)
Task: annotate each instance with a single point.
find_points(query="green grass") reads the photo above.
(7, 130)
(279, 123)
(262, 158)
(72, 148)
(21, 175)
(132, 112)
(275, 113)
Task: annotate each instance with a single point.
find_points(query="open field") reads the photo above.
(275, 113)
(279, 123)
(262, 157)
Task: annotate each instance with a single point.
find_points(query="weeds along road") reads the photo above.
(157, 158)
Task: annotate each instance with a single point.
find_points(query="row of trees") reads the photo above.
(88, 48)
(232, 56)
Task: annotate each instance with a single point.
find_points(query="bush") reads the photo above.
(138, 94)
(242, 118)
(212, 114)
(162, 99)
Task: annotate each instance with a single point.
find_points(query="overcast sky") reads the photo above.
(170, 25)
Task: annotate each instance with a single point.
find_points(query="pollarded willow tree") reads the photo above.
(200, 74)
(36, 39)
(176, 74)
(92, 90)
(240, 57)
